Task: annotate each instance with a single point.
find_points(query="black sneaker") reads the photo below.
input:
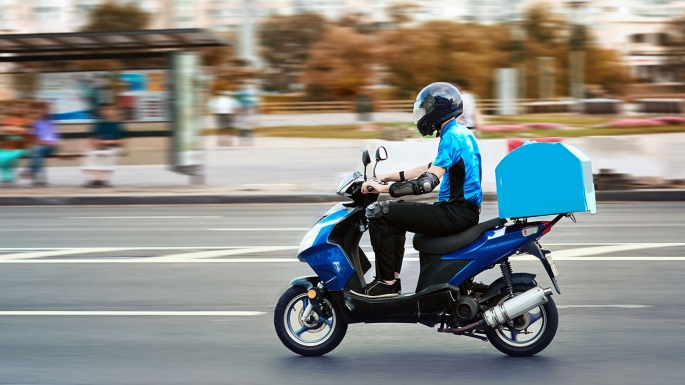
(398, 286)
(379, 289)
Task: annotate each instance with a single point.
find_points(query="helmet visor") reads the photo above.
(419, 112)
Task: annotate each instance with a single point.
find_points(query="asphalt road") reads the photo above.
(621, 316)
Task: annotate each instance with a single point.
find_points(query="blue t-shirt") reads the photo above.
(459, 154)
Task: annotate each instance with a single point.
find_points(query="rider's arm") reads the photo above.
(385, 188)
(408, 174)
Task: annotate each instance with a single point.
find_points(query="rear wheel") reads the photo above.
(529, 333)
(315, 336)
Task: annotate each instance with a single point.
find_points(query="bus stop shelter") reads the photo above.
(184, 81)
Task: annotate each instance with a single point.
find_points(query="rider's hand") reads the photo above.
(377, 187)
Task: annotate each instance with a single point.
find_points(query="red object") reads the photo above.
(513, 144)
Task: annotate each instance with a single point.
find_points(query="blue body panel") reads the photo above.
(490, 248)
(330, 263)
(327, 260)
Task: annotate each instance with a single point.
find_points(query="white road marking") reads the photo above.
(152, 217)
(130, 313)
(214, 254)
(217, 253)
(602, 306)
(56, 253)
(587, 251)
(264, 229)
(131, 248)
(143, 229)
(293, 259)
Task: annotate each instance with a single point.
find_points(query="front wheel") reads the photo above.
(529, 333)
(315, 336)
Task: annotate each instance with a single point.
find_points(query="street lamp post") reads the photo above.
(577, 45)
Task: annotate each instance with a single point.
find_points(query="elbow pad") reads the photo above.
(421, 185)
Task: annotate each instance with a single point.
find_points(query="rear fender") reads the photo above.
(496, 287)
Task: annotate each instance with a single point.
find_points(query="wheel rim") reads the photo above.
(526, 329)
(312, 333)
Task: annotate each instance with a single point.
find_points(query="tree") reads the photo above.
(444, 51)
(112, 16)
(285, 46)
(605, 67)
(339, 66)
(401, 13)
(675, 39)
(543, 26)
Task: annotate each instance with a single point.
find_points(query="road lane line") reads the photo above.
(152, 217)
(587, 251)
(263, 229)
(130, 313)
(185, 229)
(133, 248)
(217, 253)
(602, 306)
(293, 259)
(57, 253)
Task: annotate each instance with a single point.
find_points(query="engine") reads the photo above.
(465, 310)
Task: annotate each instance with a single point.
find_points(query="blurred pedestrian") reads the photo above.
(470, 116)
(15, 141)
(46, 142)
(223, 107)
(248, 97)
(107, 138)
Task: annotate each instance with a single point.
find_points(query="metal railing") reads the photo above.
(485, 106)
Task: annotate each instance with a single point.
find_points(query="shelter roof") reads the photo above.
(105, 42)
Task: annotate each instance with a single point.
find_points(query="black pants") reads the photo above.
(388, 233)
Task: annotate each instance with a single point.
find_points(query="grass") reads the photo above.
(571, 120)
(575, 133)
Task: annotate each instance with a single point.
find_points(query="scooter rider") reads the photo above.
(458, 163)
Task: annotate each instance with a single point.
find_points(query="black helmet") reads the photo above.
(436, 104)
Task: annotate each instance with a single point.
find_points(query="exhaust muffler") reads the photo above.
(512, 308)
(507, 310)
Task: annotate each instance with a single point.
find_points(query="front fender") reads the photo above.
(497, 286)
(307, 282)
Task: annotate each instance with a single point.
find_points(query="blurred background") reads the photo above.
(119, 118)
(562, 70)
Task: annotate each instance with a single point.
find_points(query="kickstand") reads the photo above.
(472, 335)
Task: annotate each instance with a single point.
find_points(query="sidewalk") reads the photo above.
(285, 170)
(271, 167)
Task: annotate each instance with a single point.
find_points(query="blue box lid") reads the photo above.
(539, 179)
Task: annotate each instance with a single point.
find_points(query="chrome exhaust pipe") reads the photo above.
(514, 307)
(507, 310)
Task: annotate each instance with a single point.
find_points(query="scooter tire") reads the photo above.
(552, 323)
(337, 334)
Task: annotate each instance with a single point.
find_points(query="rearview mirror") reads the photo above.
(366, 158)
(381, 154)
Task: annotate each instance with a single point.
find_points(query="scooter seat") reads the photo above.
(447, 244)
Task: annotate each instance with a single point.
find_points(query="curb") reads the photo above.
(190, 199)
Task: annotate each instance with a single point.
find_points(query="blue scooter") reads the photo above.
(513, 313)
